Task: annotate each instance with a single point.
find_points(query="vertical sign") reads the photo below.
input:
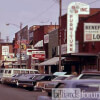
(74, 9)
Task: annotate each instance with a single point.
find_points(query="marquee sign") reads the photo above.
(91, 32)
(74, 9)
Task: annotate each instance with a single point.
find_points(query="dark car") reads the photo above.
(30, 82)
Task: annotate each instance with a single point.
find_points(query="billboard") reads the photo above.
(74, 9)
(91, 32)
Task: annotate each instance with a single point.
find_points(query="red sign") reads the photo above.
(29, 51)
(38, 55)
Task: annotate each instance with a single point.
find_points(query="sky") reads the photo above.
(32, 12)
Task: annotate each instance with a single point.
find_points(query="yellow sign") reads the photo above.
(23, 46)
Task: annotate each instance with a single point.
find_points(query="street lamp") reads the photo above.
(20, 38)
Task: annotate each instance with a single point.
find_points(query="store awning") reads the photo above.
(52, 61)
(39, 44)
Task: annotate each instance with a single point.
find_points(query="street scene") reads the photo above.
(50, 50)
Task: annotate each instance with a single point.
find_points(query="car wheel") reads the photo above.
(43, 90)
(2, 81)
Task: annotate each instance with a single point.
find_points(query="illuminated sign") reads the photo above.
(74, 9)
(91, 32)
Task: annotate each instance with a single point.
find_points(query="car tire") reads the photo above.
(2, 81)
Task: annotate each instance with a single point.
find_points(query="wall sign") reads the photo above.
(91, 32)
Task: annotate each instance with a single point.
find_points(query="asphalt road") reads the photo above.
(12, 93)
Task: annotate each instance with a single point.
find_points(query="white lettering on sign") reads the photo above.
(74, 9)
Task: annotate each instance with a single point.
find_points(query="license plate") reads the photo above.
(24, 85)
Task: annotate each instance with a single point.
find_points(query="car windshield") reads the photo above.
(88, 76)
(41, 77)
(88, 87)
(60, 78)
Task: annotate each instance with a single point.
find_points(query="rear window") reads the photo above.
(88, 76)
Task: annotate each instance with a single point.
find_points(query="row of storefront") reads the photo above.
(45, 38)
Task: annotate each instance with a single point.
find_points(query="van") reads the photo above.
(9, 72)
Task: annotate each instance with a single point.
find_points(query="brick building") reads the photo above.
(86, 56)
(5, 50)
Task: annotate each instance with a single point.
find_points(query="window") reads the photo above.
(6, 71)
(90, 76)
(27, 72)
(9, 71)
(31, 72)
(60, 85)
(1, 71)
(88, 87)
(22, 72)
(16, 72)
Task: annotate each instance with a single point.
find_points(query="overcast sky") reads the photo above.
(32, 12)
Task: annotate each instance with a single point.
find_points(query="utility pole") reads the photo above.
(60, 8)
(20, 45)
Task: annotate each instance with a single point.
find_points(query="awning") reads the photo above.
(39, 44)
(52, 61)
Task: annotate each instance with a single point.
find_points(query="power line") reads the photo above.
(93, 1)
(87, 3)
(39, 15)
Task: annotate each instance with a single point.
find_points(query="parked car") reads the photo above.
(6, 73)
(42, 85)
(81, 90)
(30, 82)
(89, 75)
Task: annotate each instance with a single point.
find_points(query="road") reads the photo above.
(12, 93)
